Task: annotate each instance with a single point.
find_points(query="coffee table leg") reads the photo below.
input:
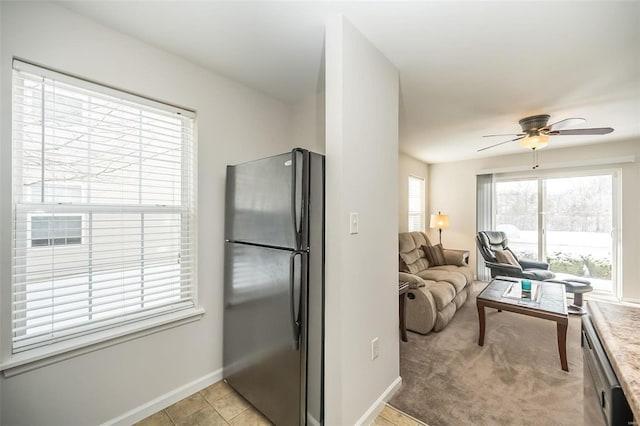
(562, 345)
(482, 323)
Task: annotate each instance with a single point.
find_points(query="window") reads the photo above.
(55, 230)
(416, 204)
(104, 207)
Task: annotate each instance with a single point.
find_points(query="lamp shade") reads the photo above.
(439, 221)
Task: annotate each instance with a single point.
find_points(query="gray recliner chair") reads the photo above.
(490, 241)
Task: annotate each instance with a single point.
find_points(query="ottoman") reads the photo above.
(577, 286)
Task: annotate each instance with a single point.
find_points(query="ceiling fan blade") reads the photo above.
(501, 143)
(567, 122)
(506, 134)
(593, 131)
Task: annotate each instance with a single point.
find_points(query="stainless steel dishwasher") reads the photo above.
(604, 400)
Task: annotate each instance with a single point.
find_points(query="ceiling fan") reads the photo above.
(536, 132)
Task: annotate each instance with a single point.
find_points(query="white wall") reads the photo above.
(234, 124)
(308, 123)
(452, 189)
(361, 269)
(409, 166)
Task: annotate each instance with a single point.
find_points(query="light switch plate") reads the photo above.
(353, 223)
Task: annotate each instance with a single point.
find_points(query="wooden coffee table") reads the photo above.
(550, 306)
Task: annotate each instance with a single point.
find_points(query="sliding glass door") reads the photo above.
(566, 220)
(517, 215)
(578, 224)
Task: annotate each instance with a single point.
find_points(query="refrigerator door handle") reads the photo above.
(294, 193)
(295, 321)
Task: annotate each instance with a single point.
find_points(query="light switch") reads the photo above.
(353, 223)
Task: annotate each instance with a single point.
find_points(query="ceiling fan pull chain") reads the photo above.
(534, 159)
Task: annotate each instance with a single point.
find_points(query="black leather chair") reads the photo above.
(489, 241)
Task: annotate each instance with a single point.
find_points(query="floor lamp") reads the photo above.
(439, 221)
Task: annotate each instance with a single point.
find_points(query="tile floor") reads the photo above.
(220, 405)
(393, 416)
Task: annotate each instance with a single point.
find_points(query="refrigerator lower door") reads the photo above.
(264, 201)
(262, 346)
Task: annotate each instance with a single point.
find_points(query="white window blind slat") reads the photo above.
(72, 271)
(118, 124)
(99, 324)
(168, 154)
(37, 287)
(69, 308)
(103, 205)
(416, 204)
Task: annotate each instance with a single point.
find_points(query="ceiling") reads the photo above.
(466, 68)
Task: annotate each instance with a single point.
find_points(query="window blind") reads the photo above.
(416, 204)
(103, 208)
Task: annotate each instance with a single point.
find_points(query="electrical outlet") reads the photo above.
(375, 349)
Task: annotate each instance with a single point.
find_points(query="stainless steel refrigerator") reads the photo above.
(274, 285)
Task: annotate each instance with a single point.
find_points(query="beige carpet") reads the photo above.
(515, 379)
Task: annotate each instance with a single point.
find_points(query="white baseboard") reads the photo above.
(370, 415)
(163, 401)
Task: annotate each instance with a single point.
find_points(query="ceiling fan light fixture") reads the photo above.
(535, 141)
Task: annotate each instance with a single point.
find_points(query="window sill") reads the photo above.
(41, 357)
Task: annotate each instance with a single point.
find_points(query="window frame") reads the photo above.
(15, 363)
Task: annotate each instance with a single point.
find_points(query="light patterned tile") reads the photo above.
(381, 421)
(216, 391)
(158, 419)
(186, 407)
(399, 418)
(230, 406)
(205, 417)
(250, 417)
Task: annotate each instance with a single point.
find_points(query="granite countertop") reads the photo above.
(617, 327)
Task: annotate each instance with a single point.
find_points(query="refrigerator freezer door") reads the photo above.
(262, 351)
(264, 200)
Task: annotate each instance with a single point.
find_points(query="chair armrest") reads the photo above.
(533, 264)
(413, 280)
(504, 269)
(456, 257)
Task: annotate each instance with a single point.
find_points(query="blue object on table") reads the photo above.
(526, 285)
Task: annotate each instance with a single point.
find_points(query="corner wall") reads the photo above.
(362, 92)
(452, 188)
(234, 124)
(409, 166)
